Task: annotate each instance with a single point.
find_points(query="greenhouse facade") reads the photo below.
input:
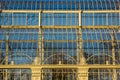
(59, 39)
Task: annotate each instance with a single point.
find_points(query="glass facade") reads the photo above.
(59, 39)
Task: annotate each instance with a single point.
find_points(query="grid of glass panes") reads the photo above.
(59, 19)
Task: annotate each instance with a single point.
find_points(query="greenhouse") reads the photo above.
(59, 39)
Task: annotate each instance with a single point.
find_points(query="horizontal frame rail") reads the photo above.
(61, 11)
(94, 66)
(84, 27)
(59, 40)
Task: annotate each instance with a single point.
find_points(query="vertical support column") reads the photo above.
(80, 18)
(79, 44)
(37, 59)
(6, 59)
(80, 55)
(42, 48)
(38, 56)
(113, 56)
(36, 74)
(41, 39)
(82, 72)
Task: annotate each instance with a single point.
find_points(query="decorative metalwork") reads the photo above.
(59, 40)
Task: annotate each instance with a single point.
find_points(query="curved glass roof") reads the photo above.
(60, 4)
